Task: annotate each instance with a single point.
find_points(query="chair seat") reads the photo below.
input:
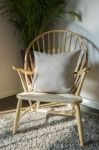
(46, 97)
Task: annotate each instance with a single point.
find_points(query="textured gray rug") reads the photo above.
(60, 133)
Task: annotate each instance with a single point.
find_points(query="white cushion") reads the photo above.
(54, 73)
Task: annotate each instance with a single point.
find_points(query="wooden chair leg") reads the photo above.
(79, 123)
(16, 122)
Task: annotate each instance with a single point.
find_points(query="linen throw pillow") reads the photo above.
(54, 72)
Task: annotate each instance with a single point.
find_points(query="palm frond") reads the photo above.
(75, 15)
(31, 17)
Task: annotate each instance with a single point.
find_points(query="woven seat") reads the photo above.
(44, 97)
(53, 42)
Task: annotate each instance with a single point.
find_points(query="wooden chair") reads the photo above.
(55, 41)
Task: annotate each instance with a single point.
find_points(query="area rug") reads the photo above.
(58, 133)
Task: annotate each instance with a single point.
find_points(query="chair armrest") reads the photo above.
(23, 70)
(82, 70)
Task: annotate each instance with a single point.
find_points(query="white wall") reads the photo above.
(89, 28)
(9, 56)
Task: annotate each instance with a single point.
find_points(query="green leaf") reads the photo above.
(75, 15)
(31, 17)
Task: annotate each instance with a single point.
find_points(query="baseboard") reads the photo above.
(9, 93)
(91, 103)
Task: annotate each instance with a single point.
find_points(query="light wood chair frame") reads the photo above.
(42, 43)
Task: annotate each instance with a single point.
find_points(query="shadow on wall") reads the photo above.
(91, 84)
(66, 19)
(90, 88)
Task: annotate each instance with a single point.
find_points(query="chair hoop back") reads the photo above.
(53, 42)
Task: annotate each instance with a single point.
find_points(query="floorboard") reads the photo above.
(10, 103)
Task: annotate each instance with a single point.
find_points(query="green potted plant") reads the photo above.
(31, 17)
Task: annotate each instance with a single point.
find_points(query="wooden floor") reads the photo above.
(10, 103)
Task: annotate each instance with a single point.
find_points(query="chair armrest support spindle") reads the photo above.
(82, 70)
(28, 72)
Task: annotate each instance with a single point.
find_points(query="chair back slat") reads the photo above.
(38, 45)
(48, 42)
(76, 39)
(31, 62)
(33, 47)
(53, 50)
(53, 42)
(65, 35)
(70, 43)
(59, 42)
(43, 43)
